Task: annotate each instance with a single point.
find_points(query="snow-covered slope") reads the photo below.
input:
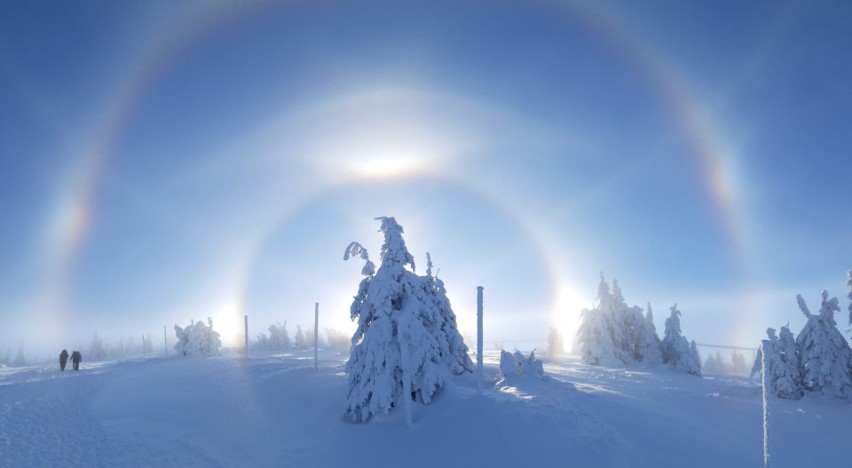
(276, 410)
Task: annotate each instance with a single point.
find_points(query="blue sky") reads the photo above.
(162, 163)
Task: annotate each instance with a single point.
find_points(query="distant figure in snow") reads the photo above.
(63, 359)
(76, 357)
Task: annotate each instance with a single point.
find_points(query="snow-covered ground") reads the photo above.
(276, 410)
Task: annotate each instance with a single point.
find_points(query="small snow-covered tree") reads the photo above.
(825, 354)
(711, 365)
(782, 364)
(770, 350)
(555, 344)
(738, 363)
(197, 339)
(278, 336)
(788, 374)
(299, 341)
(518, 364)
(407, 343)
(97, 352)
(676, 350)
(693, 361)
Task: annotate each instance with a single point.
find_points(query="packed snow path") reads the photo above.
(46, 416)
(275, 410)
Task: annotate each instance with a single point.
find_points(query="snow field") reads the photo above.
(275, 410)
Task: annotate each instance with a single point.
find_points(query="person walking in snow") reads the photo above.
(76, 357)
(63, 359)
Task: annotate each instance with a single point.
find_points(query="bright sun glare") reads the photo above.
(228, 322)
(569, 304)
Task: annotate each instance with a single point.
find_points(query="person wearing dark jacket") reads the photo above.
(76, 357)
(63, 359)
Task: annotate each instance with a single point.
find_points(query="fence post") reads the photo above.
(316, 336)
(246, 335)
(763, 383)
(479, 340)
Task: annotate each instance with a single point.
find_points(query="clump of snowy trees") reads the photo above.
(717, 364)
(278, 339)
(613, 335)
(407, 343)
(818, 360)
(197, 339)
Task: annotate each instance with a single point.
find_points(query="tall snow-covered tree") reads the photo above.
(622, 322)
(407, 343)
(824, 351)
(594, 337)
(453, 349)
(676, 350)
(646, 341)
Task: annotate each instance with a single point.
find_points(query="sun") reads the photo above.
(229, 323)
(566, 313)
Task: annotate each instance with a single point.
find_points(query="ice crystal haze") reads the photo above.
(407, 343)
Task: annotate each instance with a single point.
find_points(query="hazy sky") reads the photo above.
(169, 161)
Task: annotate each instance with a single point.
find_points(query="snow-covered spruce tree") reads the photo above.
(738, 363)
(97, 352)
(693, 362)
(711, 364)
(197, 339)
(299, 340)
(407, 343)
(676, 350)
(788, 374)
(646, 342)
(849, 285)
(825, 354)
(594, 337)
(782, 364)
(770, 349)
(453, 349)
(278, 336)
(622, 320)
